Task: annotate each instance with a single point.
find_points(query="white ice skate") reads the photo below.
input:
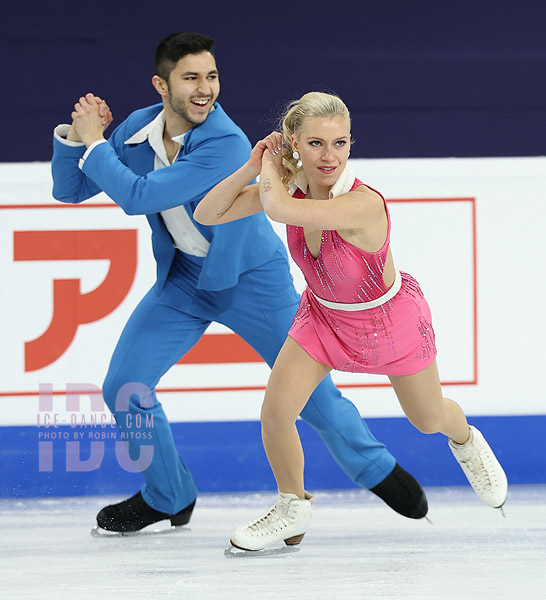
(481, 468)
(287, 521)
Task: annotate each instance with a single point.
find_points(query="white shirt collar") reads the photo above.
(142, 134)
(158, 123)
(153, 132)
(343, 184)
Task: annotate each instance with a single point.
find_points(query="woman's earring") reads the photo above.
(296, 155)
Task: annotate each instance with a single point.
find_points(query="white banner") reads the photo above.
(469, 230)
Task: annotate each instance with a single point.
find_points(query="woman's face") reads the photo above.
(323, 144)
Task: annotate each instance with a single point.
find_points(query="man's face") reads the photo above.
(193, 87)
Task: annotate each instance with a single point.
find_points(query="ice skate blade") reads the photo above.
(99, 532)
(233, 552)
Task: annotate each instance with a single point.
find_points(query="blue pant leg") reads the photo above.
(157, 334)
(261, 312)
(363, 458)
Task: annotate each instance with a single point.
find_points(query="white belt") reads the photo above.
(364, 305)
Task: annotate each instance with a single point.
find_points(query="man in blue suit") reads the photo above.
(160, 162)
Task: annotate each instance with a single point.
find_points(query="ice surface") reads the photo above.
(356, 548)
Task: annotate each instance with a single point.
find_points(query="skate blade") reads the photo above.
(154, 529)
(233, 552)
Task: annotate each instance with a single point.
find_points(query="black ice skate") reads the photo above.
(133, 517)
(402, 492)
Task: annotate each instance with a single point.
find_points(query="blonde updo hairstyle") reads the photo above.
(309, 106)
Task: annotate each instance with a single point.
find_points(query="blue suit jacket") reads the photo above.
(212, 151)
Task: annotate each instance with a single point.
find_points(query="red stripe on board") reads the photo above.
(475, 286)
(248, 388)
(58, 205)
(114, 205)
(389, 200)
(230, 348)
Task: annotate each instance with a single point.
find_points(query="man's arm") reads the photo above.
(69, 183)
(186, 180)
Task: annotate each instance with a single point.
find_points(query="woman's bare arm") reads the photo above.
(361, 209)
(233, 198)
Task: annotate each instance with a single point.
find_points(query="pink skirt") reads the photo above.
(395, 338)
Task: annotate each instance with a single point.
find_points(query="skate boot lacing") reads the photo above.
(481, 467)
(278, 518)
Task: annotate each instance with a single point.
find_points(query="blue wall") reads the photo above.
(226, 457)
(422, 78)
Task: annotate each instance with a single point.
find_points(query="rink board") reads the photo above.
(229, 457)
(72, 275)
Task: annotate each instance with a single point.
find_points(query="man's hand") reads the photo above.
(90, 118)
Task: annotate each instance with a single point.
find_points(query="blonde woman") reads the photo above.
(358, 313)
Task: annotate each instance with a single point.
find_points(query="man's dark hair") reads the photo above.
(177, 45)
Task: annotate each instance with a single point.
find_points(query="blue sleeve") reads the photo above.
(70, 184)
(186, 180)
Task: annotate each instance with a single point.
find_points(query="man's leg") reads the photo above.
(263, 307)
(157, 334)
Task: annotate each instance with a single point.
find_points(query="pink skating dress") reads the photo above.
(394, 338)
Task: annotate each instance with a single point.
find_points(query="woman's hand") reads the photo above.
(270, 146)
(274, 160)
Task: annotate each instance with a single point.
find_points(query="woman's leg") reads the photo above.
(420, 396)
(261, 311)
(293, 378)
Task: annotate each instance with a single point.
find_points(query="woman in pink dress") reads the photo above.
(358, 312)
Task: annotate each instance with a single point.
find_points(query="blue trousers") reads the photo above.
(260, 309)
